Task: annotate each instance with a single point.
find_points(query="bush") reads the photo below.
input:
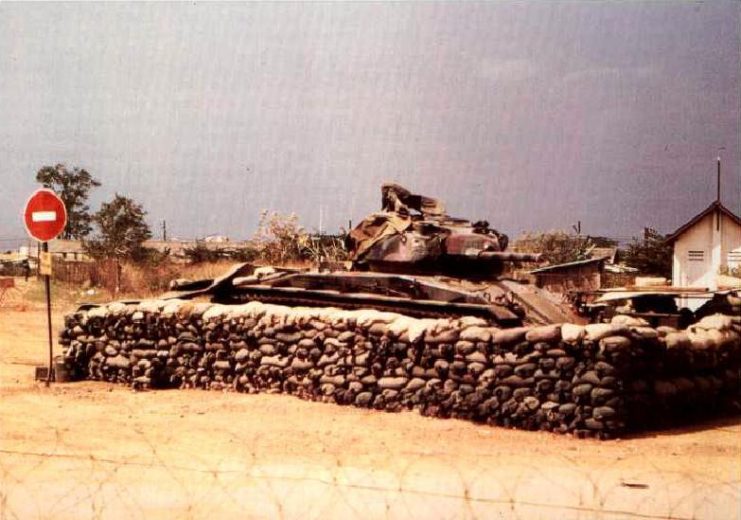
(200, 253)
(326, 248)
(651, 255)
(149, 256)
(556, 247)
(731, 271)
(280, 239)
(143, 280)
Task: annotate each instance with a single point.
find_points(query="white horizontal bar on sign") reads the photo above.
(44, 216)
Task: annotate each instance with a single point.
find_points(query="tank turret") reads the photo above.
(414, 234)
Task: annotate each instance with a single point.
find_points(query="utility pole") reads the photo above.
(718, 196)
(718, 215)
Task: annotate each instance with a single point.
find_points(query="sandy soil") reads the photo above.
(92, 450)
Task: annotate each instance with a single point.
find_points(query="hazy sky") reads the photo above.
(531, 115)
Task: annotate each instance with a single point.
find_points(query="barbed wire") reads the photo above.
(259, 472)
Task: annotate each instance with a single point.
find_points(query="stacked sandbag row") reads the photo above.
(693, 372)
(566, 378)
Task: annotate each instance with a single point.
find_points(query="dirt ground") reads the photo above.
(92, 450)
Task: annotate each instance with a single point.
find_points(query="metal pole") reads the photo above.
(717, 212)
(48, 317)
(718, 196)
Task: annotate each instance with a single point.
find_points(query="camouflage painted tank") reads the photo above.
(410, 258)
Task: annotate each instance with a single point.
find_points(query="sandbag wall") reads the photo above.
(598, 380)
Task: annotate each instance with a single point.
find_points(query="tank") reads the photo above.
(411, 258)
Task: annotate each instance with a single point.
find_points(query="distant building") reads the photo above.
(582, 275)
(610, 254)
(67, 250)
(705, 246)
(218, 239)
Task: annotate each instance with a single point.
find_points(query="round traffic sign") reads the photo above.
(45, 215)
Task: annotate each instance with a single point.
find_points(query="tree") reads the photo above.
(121, 230)
(556, 247)
(73, 187)
(652, 255)
(600, 241)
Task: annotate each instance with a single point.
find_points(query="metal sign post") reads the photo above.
(45, 217)
(47, 284)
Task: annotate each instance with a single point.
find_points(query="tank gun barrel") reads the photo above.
(509, 257)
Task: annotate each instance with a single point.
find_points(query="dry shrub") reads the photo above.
(279, 238)
(205, 270)
(279, 241)
(147, 281)
(555, 247)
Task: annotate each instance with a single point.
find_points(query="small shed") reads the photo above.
(581, 275)
(615, 274)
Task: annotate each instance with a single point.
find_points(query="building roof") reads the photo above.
(608, 253)
(619, 268)
(567, 265)
(715, 206)
(65, 246)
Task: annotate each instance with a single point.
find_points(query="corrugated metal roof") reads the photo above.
(625, 295)
(576, 263)
(609, 253)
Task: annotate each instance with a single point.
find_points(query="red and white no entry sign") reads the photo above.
(45, 215)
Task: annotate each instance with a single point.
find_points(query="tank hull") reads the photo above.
(503, 303)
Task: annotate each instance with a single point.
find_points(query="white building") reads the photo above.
(705, 246)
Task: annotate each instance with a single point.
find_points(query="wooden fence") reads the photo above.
(100, 273)
(617, 279)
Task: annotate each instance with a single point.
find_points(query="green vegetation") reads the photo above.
(556, 247)
(651, 255)
(121, 230)
(73, 187)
